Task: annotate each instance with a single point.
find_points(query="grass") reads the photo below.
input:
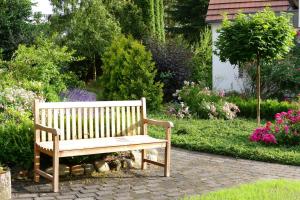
(262, 190)
(225, 137)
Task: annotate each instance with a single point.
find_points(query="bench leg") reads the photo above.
(143, 157)
(167, 161)
(55, 181)
(36, 164)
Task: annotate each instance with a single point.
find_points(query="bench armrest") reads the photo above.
(54, 131)
(165, 124)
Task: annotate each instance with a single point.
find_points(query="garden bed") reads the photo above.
(226, 137)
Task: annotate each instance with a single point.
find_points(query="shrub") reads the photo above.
(129, 72)
(16, 142)
(205, 103)
(173, 60)
(285, 131)
(268, 107)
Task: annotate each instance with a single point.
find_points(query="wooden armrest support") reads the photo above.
(54, 131)
(165, 124)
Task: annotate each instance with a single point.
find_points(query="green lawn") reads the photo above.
(262, 190)
(225, 138)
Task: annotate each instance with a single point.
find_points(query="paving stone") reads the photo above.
(191, 173)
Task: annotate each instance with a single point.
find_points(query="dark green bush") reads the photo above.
(129, 72)
(16, 143)
(268, 107)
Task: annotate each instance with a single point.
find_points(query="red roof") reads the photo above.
(217, 8)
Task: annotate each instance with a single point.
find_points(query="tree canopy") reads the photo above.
(14, 25)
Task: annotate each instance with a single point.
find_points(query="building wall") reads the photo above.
(225, 75)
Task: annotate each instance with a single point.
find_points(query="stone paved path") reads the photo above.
(191, 173)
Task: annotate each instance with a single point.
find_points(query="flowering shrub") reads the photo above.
(17, 98)
(179, 110)
(205, 103)
(285, 130)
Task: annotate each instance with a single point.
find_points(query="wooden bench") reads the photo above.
(64, 129)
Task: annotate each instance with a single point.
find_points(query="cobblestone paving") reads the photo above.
(191, 173)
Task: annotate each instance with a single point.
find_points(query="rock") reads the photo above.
(115, 165)
(89, 169)
(136, 156)
(63, 170)
(127, 163)
(102, 166)
(152, 154)
(22, 175)
(77, 170)
(5, 184)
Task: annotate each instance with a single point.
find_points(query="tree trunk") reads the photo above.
(258, 90)
(5, 185)
(94, 69)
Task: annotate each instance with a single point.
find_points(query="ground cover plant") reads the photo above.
(261, 190)
(225, 137)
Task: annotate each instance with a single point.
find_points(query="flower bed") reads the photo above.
(285, 130)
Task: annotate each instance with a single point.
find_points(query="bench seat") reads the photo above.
(123, 143)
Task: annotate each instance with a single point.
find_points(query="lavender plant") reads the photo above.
(78, 95)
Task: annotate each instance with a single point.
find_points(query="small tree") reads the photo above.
(129, 72)
(260, 37)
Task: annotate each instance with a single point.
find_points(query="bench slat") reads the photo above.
(91, 123)
(123, 122)
(133, 122)
(102, 122)
(118, 121)
(43, 121)
(55, 118)
(68, 124)
(113, 121)
(128, 121)
(79, 123)
(90, 104)
(85, 123)
(138, 119)
(49, 112)
(107, 122)
(97, 125)
(62, 123)
(74, 119)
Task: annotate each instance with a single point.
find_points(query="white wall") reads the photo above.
(225, 76)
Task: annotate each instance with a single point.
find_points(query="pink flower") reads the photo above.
(286, 129)
(276, 129)
(269, 139)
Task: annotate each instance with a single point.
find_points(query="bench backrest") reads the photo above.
(83, 120)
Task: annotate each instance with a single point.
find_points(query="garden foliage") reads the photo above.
(129, 72)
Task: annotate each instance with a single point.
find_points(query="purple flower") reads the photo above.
(78, 95)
